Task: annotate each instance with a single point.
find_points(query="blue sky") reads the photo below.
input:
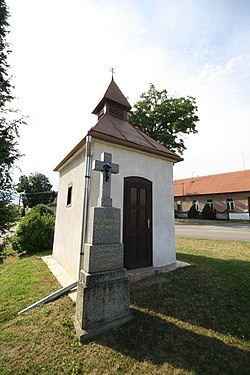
(62, 53)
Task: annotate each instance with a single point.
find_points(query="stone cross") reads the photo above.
(107, 168)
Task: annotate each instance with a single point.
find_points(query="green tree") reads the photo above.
(165, 118)
(193, 213)
(35, 189)
(208, 212)
(9, 129)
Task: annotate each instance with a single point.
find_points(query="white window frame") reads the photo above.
(230, 204)
(179, 206)
(69, 196)
(210, 202)
(195, 203)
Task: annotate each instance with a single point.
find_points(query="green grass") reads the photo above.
(195, 320)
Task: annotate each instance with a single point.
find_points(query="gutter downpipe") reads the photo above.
(51, 297)
(85, 199)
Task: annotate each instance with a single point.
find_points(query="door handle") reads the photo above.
(149, 223)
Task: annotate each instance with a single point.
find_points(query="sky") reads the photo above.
(62, 52)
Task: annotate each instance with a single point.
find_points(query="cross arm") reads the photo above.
(102, 166)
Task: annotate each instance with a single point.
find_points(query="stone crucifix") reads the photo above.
(107, 168)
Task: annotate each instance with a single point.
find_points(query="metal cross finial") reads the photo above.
(112, 71)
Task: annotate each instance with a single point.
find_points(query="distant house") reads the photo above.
(227, 193)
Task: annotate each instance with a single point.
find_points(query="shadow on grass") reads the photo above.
(150, 338)
(213, 294)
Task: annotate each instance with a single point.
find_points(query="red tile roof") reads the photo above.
(231, 182)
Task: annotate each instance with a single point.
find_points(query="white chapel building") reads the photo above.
(143, 190)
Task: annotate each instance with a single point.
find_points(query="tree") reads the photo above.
(35, 189)
(165, 118)
(9, 129)
(208, 212)
(193, 213)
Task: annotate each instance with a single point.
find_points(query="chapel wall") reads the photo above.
(68, 227)
(160, 172)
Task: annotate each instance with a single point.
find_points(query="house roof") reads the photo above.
(231, 182)
(114, 129)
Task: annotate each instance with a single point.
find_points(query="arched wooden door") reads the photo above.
(137, 222)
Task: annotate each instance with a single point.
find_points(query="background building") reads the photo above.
(227, 193)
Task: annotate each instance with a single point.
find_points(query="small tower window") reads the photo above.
(69, 196)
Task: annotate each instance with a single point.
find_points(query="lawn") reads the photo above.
(195, 320)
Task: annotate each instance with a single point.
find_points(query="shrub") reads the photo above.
(22, 211)
(193, 213)
(208, 213)
(35, 231)
(42, 209)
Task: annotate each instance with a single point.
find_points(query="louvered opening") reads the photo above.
(101, 113)
(116, 110)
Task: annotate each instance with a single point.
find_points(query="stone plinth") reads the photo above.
(102, 302)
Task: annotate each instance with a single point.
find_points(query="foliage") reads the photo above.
(194, 320)
(8, 216)
(22, 211)
(9, 128)
(5, 87)
(35, 231)
(193, 213)
(165, 118)
(35, 189)
(208, 212)
(42, 210)
(3, 245)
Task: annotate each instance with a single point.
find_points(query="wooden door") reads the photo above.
(249, 206)
(137, 222)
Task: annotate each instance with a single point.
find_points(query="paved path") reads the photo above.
(218, 230)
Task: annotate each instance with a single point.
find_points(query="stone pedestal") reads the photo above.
(102, 302)
(103, 294)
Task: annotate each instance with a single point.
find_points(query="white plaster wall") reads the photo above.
(155, 169)
(68, 227)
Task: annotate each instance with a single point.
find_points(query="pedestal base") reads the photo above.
(103, 302)
(84, 335)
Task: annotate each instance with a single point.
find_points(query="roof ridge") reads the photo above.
(211, 175)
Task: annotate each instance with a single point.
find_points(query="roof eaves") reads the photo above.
(135, 146)
(195, 194)
(70, 154)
